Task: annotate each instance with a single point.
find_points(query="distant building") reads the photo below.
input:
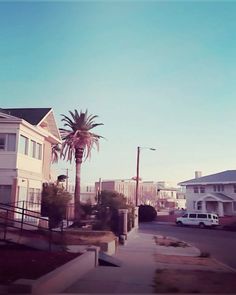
(169, 197)
(215, 193)
(157, 194)
(123, 186)
(87, 193)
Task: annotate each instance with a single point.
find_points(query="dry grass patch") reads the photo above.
(194, 281)
(169, 242)
(82, 237)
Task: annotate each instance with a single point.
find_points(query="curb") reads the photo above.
(224, 265)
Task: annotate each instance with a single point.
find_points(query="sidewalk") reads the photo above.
(135, 275)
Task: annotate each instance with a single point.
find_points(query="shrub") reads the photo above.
(54, 203)
(109, 204)
(147, 213)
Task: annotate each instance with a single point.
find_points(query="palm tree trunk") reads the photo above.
(78, 161)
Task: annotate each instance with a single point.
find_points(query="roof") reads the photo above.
(228, 176)
(32, 115)
(221, 196)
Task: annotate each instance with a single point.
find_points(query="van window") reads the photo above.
(192, 215)
(215, 217)
(202, 215)
(185, 216)
(209, 215)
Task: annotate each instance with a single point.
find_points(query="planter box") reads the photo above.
(60, 278)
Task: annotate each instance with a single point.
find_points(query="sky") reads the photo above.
(159, 74)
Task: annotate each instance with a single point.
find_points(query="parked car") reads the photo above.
(198, 219)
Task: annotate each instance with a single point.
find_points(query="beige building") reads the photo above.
(127, 187)
(26, 139)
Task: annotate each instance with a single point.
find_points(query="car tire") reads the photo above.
(201, 225)
(179, 223)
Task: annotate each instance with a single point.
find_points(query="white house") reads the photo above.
(26, 139)
(214, 193)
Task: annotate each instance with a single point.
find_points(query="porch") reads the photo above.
(217, 203)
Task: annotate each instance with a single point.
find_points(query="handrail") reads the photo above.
(21, 208)
(25, 214)
(12, 209)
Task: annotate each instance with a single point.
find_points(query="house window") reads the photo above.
(234, 188)
(33, 149)
(31, 196)
(5, 194)
(199, 205)
(39, 151)
(234, 205)
(194, 205)
(218, 188)
(23, 146)
(195, 189)
(34, 196)
(202, 189)
(7, 142)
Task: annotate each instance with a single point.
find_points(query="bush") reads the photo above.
(109, 204)
(147, 213)
(54, 203)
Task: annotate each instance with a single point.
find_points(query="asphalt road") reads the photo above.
(219, 243)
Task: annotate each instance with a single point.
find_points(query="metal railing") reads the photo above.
(20, 218)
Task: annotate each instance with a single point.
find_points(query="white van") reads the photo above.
(199, 219)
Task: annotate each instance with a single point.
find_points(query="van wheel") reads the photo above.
(179, 223)
(201, 225)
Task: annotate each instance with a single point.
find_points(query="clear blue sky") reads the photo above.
(158, 74)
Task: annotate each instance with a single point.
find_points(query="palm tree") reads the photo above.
(56, 149)
(78, 142)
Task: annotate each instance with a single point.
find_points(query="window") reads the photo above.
(34, 196)
(202, 216)
(185, 216)
(31, 196)
(39, 151)
(33, 149)
(199, 205)
(23, 146)
(195, 189)
(5, 194)
(7, 142)
(234, 188)
(192, 215)
(218, 188)
(2, 141)
(209, 215)
(202, 189)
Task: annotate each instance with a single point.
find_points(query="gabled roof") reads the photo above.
(32, 115)
(41, 118)
(218, 196)
(228, 176)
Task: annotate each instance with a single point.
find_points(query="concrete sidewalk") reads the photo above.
(137, 270)
(134, 276)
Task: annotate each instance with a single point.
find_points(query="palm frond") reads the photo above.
(77, 134)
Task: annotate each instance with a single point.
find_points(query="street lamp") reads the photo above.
(137, 173)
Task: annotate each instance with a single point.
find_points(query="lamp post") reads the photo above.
(137, 171)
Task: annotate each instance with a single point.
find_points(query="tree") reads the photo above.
(56, 149)
(78, 142)
(54, 203)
